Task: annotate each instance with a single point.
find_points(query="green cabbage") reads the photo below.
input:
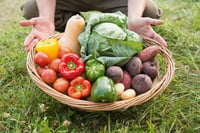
(107, 39)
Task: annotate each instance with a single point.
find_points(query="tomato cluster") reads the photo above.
(48, 69)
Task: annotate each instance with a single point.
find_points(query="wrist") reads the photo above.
(134, 23)
(47, 18)
(47, 9)
(135, 9)
(46, 22)
(132, 20)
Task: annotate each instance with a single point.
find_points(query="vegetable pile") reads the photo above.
(102, 62)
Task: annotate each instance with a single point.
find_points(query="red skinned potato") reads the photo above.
(49, 75)
(150, 69)
(148, 53)
(134, 66)
(115, 73)
(126, 80)
(141, 83)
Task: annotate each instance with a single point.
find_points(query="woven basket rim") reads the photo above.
(159, 84)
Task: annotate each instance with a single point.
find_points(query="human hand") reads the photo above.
(142, 26)
(42, 28)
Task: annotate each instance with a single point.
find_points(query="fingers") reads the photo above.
(29, 39)
(153, 21)
(158, 38)
(154, 35)
(32, 38)
(35, 41)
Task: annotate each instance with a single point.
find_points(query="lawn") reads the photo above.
(25, 108)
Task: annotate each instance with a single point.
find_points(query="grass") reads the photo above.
(25, 108)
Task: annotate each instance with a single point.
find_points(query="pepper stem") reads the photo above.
(71, 65)
(78, 87)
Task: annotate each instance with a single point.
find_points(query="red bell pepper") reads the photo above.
(79, 88)
(71, 66)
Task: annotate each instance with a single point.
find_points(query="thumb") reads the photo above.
(153, 21)
(26, 23)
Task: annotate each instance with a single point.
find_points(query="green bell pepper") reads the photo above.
(94, 69)
(103, 90)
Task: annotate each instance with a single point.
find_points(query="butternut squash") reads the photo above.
(75, 25)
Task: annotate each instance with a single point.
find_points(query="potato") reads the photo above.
(115, 73)
(128, 94)
(120, 89)
(148, 53)
(126, 80)
(150, 69)
(141, 83)
(134, 66)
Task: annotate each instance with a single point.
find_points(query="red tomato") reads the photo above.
(40, 70)
(41, 59)
(63, 51)
(49, 75)
(61, 85)
(54, 64)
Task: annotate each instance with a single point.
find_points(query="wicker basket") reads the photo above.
(159, 84)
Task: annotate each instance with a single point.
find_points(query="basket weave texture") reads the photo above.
(159, 84)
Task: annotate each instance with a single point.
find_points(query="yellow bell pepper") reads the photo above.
(49, 46)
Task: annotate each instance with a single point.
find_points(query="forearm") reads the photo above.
(136, 8)
(47, 9)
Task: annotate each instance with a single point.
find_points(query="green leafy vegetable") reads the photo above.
(110, 30)
(107, 39)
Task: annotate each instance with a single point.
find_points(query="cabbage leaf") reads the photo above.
(107, 39)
